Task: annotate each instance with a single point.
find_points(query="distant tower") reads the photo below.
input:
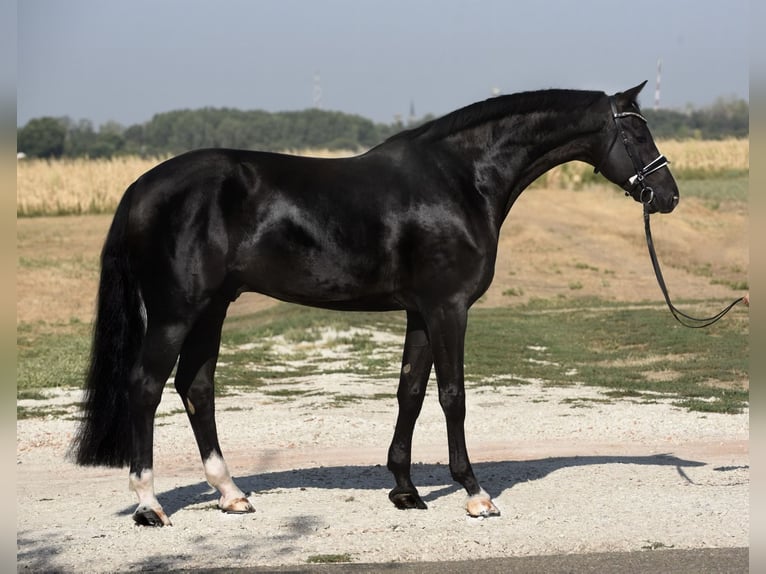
(317, 95)
(411, 119)
(657, 87)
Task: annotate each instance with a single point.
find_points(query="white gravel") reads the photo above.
(568, 477)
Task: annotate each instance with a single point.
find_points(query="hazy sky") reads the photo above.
(126, 60)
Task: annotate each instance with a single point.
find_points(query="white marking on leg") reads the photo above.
(217, 475)
(143, 486)
(481, 505)
(190, 406)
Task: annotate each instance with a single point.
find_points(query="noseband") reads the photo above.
(645, 194)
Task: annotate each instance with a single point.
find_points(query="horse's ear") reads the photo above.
(631, 95)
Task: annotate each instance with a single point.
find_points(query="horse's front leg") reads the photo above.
(416, 368)
(447, 328)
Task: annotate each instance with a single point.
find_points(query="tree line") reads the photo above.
(177, 131)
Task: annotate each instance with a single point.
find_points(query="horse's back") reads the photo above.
(253, 220)
(364, 232)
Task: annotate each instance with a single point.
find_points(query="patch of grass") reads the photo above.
(721, 404)
(286, 393)
(44, 412)
(33, 394)
(281, 318)
(250, 358)
(358, 342)
(585, 266)
(373, 365)
(627, 350)
(656, 546)
(624, 393)
(51, 356)
(346, 399)
(170, 413)
(328, 558)
(299, 335)
(585, 402)
(733, 285)
(725, 188)
(618, 348)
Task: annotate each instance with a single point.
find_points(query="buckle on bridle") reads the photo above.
(650, 191)
(656, 164)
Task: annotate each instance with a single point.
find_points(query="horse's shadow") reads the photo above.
(496, 477)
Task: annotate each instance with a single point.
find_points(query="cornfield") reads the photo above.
(71, 186)
(77, 186)
(689, 159)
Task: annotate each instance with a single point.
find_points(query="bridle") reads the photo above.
(645, 193)
(646, 196)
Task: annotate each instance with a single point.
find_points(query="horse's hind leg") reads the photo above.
(194, 382)
(416, 368)
(158, 355)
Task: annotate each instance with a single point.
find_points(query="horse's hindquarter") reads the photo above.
(361, 233)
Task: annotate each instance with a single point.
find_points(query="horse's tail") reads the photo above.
(104, 435)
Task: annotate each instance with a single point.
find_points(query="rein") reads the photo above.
(680, 316)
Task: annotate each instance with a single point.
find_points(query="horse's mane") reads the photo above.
(500, 106)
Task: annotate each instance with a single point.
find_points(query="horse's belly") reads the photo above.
(337, 283)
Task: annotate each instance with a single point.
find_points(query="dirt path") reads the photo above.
(616, 476)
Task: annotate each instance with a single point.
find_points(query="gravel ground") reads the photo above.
(570, 472)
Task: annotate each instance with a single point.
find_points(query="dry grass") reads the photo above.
(690, 159)
(75, 186)
(81, 186)
(87, 186)
(707, 155)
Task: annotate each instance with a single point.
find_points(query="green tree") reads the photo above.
(42, 137)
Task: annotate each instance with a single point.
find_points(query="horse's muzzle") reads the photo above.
(660, 204)
(669, 205)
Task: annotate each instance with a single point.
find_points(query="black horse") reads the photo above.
(410, 225)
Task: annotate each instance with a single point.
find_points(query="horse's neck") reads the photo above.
(511, 153)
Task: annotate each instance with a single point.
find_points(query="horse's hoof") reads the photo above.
(146, 516)
(406, 499)
(481, 506)
(236, 506)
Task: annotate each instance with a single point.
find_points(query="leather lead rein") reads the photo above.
(680, 316)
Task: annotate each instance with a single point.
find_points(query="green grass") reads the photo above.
(51, 357)
(714, 191)
(627, 350)
(328, 558)
(633, 353)
(293, 318)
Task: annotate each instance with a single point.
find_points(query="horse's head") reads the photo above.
(631, 159)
